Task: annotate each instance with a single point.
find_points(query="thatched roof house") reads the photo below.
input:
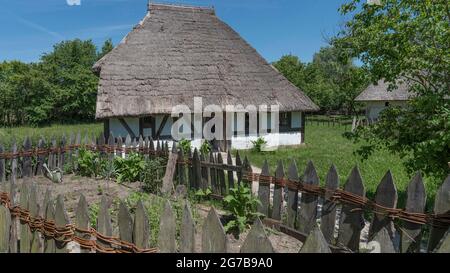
(379, 92)
(377, 97)
(176, 53)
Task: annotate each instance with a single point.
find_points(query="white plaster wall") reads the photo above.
(374, 108)
(118, 130)
(273, 140)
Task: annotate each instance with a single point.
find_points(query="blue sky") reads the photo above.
(29, 28)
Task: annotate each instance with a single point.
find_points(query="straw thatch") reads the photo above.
(176, 53)
(379, 92)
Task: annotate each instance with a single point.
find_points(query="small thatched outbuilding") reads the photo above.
(377, 97)
(177, 53)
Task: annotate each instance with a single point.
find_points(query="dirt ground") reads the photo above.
(73, 186)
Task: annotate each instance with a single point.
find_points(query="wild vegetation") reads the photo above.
(398, 41)
(60, 88)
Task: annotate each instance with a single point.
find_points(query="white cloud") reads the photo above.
(73, 2)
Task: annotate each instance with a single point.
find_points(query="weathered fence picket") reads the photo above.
(82, 220)
(167, 230)
(351, 220)
(292, 196)
(328, 213)
(26, 167)
(441, 206)
(278, 193)
(2, 166)
(61, 220)
(214, 239)
(25, 233)
(187, 230)
(411, 234)
(307, 213)
(141, 227)
(257, 240)
(264, 191)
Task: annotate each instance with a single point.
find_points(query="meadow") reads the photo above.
(8, 134)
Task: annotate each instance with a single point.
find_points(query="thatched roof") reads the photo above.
(176, 53)
(379, 92)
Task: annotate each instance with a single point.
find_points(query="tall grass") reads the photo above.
(8, 134)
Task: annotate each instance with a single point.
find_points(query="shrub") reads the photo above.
(205, 148)
(130, 168)
(90, 163)
(153, 174)
(241, 206)
(258, 144)
(185, 145)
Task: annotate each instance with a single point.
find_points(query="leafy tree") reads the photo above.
(60, 88)
(399, 41)
(330, 82)
(106, 48)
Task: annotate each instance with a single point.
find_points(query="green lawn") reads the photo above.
(7, 134)
(325, 145)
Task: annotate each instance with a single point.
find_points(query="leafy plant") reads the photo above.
(241, 206)
(258, 144)
(202, 195)
(93, 213)
(205, 148)
(130, 168)
(153, 174)
(185, 145)
(90, 163)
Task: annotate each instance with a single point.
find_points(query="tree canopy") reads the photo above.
(59, 88)
(331, 83)
(405, 40)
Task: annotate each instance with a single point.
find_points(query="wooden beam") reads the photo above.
(125, 125)
(106, 128)
(161, 126)
(302, 128)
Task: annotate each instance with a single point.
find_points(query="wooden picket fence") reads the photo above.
(299, 216)
(30, 227)
(26, 160)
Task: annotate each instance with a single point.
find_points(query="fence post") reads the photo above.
(61, 220)
(82, 221)
(62, 153)
(49, 214)
(77, 149)
(52, 155)
(119, 148)
(127, 145)
(308, 202)
(34, 212)
(5, 226)
(27, 169)
(167, 230)
(292, 194)
(104, 221)
(239, 165)
(25, 234)
(141, 228)
(2, 165)
(13, 177)
(264, 191)
(441, 206)
(181, 167)
(386, 195)
(13, 237)
(221, 175)
(125, 223)
(187, 230)
(411, 234)
(257, 240)
(351, 220)
(315, 242)
(40, 157)
(197, 171)
(214, 239)
(230, 172)
(69, 151)
(277, 192)
(328, 215)
(213, 175)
